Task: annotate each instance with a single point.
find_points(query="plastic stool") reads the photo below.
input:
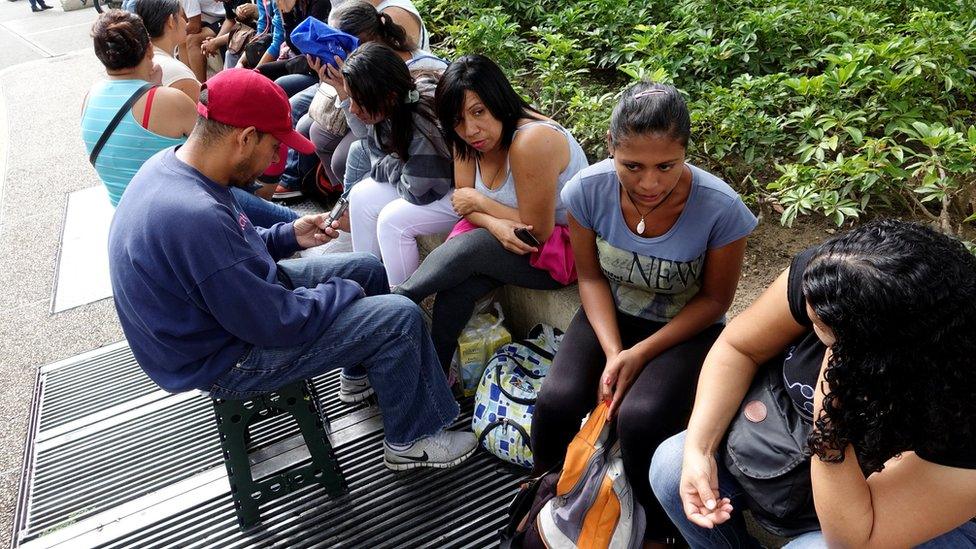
(234, 419)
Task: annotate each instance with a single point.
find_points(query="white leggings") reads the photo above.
(386, 225)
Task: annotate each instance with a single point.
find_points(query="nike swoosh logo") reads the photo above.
(422, 457)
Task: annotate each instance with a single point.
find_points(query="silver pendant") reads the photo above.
(640, 226)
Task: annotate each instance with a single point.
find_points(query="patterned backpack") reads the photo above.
(507, 393)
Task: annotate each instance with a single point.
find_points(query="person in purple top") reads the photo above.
(207, 301)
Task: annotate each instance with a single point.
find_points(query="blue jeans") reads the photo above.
(261, 212)
(381, 335)
(665, 476)
(298, 165)
(294, 83)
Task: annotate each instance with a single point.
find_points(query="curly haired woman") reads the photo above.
(870, 340)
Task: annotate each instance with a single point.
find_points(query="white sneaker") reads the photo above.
(440, 451)
(354, 389)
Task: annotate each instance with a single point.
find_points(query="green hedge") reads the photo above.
(804, 105)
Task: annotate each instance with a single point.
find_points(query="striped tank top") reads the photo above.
(129, 146)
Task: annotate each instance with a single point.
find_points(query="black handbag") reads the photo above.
(255, 49)
(519, 532)
(766, 452)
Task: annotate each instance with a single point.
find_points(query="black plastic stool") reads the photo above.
(234, 419)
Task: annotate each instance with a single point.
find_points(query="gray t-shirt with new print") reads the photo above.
(654, 278)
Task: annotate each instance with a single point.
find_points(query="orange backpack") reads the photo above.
(590, 506)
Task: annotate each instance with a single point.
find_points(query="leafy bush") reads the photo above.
(810, 106)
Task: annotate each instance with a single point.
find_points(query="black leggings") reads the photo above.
(461, 271)
(656, 407)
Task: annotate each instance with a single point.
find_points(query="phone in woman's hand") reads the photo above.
(526, 236)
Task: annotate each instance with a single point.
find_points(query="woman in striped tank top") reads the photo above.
(162, 117)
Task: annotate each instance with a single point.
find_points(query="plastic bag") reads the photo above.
(483, 335)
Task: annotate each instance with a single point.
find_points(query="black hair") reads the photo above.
(361, 19)
(900, 299)
(120, 39)
(484, 77)
(650, 108)
(156, 13)
(379, 81)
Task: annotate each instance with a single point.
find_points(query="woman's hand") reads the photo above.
(330, 75)
(466, 200)
(209, 47)
(618, 375)
(699, 490)
(504, 231)
(285, 6)
(246, 11)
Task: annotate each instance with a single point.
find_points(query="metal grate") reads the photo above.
(134, 470)
(74, 391)
(460, 507)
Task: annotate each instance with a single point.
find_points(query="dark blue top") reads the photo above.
(195, 283)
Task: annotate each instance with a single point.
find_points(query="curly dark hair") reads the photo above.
(900, 299)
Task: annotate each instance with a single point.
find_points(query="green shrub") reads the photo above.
(812, 106)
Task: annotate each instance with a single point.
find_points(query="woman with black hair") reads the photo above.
(166, 25)
(498, 140)
(659, 246)
(332, 142)
(862, 352)
(408, 191)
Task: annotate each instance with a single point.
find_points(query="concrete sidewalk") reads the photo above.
(46, 67)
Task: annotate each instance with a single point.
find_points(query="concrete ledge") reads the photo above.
(524, 308)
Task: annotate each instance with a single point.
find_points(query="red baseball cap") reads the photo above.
(245, 97)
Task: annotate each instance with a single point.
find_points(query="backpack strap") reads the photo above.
(115, 121)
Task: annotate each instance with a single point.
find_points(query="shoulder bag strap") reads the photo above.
(115, 121)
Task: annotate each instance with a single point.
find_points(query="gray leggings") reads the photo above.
(332, 151)
(461, 271)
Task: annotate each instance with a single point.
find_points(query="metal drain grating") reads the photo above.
(137, 467)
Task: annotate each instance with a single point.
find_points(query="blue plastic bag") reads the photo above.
(319, 40)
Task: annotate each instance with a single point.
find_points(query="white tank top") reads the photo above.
(505, 193)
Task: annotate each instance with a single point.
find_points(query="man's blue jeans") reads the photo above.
(665, 476)
(261, 212)
(381, 335)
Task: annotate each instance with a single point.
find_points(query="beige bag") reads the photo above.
(325, 110)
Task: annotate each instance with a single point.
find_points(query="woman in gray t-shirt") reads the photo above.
(658, 246)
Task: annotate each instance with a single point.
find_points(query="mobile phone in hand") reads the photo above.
(340, 208)
(526, 236)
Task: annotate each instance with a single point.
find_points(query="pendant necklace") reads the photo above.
(640, 224)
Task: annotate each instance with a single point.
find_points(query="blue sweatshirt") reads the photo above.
(196, 284)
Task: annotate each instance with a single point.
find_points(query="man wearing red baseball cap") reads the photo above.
(207, 301)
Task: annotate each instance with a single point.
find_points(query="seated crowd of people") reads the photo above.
(868, 336)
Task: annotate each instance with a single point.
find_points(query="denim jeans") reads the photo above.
(298, 165)
(294, 83)
(665, 476)
(261, 212)
(231, 59)
(381, 335)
